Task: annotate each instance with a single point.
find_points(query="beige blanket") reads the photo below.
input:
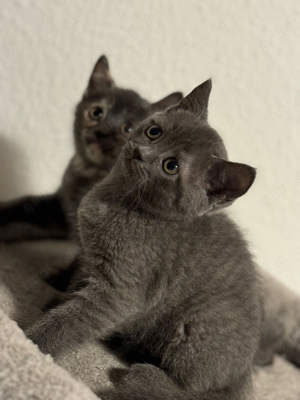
(26, 374)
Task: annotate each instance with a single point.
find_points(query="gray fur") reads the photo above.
(163, 269)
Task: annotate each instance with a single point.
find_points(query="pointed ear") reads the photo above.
(226, 181)
(197, 100)
(100, 78)
(166, 102)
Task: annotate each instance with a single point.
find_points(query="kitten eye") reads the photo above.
(96, 113)
(154, 132)
(170, 166)
(126, 129)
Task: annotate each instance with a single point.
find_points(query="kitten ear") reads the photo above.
(166, 102)
(100, 78)
(226, 181)
(197, 100)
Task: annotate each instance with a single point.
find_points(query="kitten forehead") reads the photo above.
(184, 129)
(128, 101)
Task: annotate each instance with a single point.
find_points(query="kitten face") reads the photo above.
(179, 163)
(107, 114)
(104, 122)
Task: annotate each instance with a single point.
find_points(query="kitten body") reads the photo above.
(162, 269)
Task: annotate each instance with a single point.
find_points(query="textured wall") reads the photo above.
(250, 49)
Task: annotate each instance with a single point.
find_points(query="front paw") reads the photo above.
(140, 381)
(38, 337)
(43, 334)
(124, 386)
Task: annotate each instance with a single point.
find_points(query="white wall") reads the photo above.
(250, 49)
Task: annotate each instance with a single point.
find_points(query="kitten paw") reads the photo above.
(141, 381)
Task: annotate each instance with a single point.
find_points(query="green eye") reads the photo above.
(154, 132)
(170, 166)
(96, 113)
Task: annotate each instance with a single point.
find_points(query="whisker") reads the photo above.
(141, 195)
(137, 196)
(133, 187)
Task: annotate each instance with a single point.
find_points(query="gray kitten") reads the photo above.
(104, 118)
(162, 269)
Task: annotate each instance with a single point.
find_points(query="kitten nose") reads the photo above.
(100, 135)
(137, 154)
(142, 153)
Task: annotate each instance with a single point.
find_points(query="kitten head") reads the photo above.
(107, 114)
(176, 163)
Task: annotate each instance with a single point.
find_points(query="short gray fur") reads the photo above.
(164, 269)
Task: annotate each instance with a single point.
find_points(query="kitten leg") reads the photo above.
(87, 313)
(144, 381)
(201, 358)
(59, 327)
(32, 217)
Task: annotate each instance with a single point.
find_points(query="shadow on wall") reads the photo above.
(12, 169)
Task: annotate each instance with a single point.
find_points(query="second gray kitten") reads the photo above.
(104, 118)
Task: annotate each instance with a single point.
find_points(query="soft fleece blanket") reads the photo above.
(27, 374)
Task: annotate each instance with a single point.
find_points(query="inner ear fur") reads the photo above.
(228, 181)
(197, 101)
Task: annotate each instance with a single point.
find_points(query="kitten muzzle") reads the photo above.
(137, 154)
(105, 142)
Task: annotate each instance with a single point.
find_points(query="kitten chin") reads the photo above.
(95, 153)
